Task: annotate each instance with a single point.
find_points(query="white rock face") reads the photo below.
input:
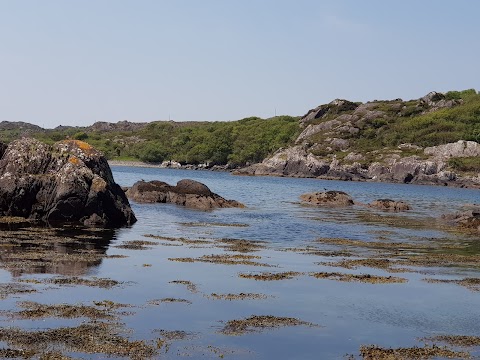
(460, 148)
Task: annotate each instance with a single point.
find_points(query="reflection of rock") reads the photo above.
(332, 198)
(67, 182)
(469, 218)
(52, 251)
(391, 205)
(188, 193)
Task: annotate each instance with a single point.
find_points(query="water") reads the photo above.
(348, 314)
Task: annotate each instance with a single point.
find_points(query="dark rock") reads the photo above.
(67, 182)
(329, 198)
(389, 205)
(187, 193)
(337, 106)
(3, 147)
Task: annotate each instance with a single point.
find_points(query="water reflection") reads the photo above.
(63, 251)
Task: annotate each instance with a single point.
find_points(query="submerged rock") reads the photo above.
(189, 193)
(69, 181)
(331, 198)
(469, 218)
(390, 205)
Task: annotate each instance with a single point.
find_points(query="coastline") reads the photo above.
(466, 184)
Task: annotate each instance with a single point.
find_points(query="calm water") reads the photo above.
(348, 314)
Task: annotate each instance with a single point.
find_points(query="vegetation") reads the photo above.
(461, 122)
(236, 143)
(250, 140)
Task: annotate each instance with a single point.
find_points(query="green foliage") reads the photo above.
(441, 126)
(464, 95)
(468, 164)
(152, 152)
(81, 135)
(216, 143)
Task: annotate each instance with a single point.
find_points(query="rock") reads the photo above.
(332, 108)
(434, 101)
(409, 146)
(469, 218)
(294, 161)
(460, 148)
(391, 205)
(124, 125)
(353, 156)
(189, 193)
(432, 97)
(328, 198)
(69, 182)
(19, 125)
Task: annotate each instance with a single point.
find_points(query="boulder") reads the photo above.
(68, 182)
(460, 148)
(468, 218)
(328, 198)
(335, 107)
(389, 205)
(189, 193)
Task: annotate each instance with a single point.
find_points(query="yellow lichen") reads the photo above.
(81, 145)
(74, 160)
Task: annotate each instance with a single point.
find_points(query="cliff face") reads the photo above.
(346, 141)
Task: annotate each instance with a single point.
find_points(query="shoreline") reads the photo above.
(134, 163)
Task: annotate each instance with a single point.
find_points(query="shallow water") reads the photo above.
(349, 314)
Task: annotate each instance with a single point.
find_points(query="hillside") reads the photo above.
(340, 140)
(430, 140)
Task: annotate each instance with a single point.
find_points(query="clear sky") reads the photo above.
(74, 62)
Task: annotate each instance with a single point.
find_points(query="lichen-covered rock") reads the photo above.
(328, 198)
(69, 181)
(188, 193)
(389, 205)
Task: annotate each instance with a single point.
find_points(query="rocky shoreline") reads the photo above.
(429, 166)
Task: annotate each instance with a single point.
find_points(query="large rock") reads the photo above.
(189, 193)
(69, 181)
(389, 205)
(294, 161)
(460, 148)
(468, 218)
(328, 198)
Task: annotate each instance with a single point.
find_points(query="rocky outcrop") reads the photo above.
(434, 101)
(389, 205)
(328, 198)
(298, 161)
(294, 161)
(189, 193)
(118, 126)
(468, 218)
(69, 181)
(335, 107)
(460, 148)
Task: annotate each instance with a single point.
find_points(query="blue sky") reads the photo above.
(79, 61)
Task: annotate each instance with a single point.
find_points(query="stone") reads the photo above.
(68, 182)
(460, 148)
(328, 198)
(389, 205)
(468, 218)
(188, 193)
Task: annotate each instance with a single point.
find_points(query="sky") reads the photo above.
(75, 62)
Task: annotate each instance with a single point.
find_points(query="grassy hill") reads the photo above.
(337, 128)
